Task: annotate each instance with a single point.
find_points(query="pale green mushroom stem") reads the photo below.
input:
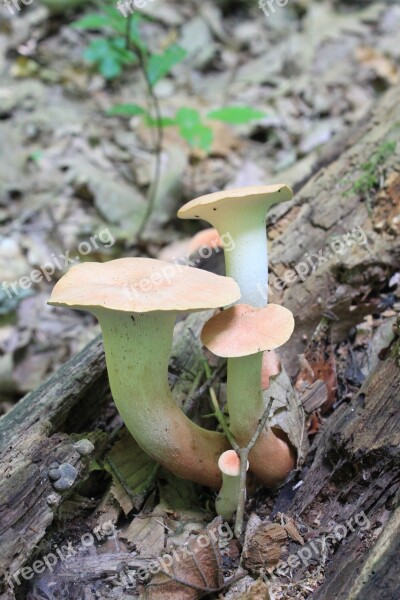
(247, 258)
(137, 348)
(227, 500)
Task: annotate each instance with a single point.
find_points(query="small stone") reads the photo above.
(54, 473)
(84, 447)
(67, 477)
(52, 499)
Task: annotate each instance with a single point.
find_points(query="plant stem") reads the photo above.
(244, 455)
(158, 142)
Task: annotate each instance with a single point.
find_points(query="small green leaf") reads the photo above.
(192, 130)
(236, 115)
(94, 21)
(109, 56)
(188, 117)
(200, 136)
(125, 110)
(160, 65)
(110, 67)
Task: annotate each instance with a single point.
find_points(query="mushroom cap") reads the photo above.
(229, 463)
(142, 285)
(207, 206)
(206, 237)
(243, 330)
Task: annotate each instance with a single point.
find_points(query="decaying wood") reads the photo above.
(30, 439)
(324, 209)
(357, 461)
(356, 469)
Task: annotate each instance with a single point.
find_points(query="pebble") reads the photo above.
(84, 447)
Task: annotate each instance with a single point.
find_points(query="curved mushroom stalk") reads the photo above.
(272, 458)
(241, 214)
(241, 334)
(227, 500)
(136, 301)
(137, 350)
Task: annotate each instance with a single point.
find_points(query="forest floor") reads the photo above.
(74, 184)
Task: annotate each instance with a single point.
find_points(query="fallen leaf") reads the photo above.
(318, 362)
(133, 472)
(264, 547)
(194, 573)
(379, 63)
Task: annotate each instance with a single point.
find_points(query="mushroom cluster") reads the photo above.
(243, 332)
(137, 300)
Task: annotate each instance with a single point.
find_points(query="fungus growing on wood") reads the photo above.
(242, 333)
(227, 499)
(136, 301)
(241, 213)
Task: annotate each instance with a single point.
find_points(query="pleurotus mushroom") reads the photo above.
(242, 333)
(227, 499)
(136, 301)
(242, 213)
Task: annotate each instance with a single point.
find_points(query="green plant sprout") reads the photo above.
(372, 173)
(122, 45)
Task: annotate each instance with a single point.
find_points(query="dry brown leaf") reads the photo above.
(147, 534)
(195, 571)
(318, 362)
(380, 64)
(258, 591)
(290, 527)
(264, 547)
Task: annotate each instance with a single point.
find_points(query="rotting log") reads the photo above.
(40, 430)
(31, 439)
(37, 431)
(326, 207)
(355, 470)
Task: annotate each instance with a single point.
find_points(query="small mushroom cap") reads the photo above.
(142, 285)
(243, 330)
(207, 206)
(229, 463)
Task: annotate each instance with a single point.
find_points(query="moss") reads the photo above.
(371, 171)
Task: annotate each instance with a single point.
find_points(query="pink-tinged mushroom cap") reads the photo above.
(229, 463)
(243, 330)
(142, 285)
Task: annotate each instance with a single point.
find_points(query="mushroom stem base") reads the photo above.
(137, 349)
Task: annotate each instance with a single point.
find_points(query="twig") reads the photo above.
(244, 455)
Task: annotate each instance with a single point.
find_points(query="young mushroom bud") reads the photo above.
(241, 213)
(227, 499)
(242, 333)
(136, 301)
